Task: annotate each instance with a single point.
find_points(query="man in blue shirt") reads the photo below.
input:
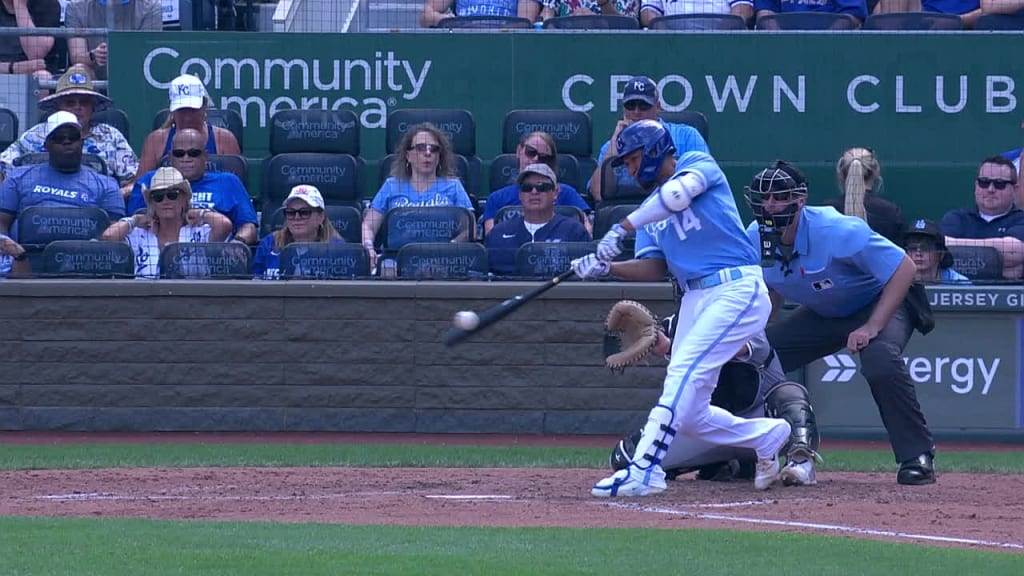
(640, 101)
(63, 181)
(689, 226)
(220, 191)
(856, 8)
(852, 286)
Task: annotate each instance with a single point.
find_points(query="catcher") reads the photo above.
(751, 385)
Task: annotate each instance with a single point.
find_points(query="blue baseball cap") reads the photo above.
(640, 88)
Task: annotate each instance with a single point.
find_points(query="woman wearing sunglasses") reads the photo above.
(304, 221)
(534, 148)
(423, 174)
(166, 221)
(860, 177)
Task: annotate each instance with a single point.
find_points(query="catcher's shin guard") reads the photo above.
(655, 438)
(789, 401)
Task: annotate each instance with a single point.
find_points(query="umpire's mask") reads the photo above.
(781, 183)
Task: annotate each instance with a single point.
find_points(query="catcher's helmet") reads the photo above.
(656, 143)
(784, 182)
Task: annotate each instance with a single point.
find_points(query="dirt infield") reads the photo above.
(969, 510)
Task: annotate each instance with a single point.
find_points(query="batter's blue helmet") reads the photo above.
(656, 143)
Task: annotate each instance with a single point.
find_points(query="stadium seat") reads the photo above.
(442, 261)
(347, 220)
(39, 225)
(549, 259)
(324, 261)
(205, 261)
(221, 117)
(1007, 22)
(484, 22)
(691, 117)
(593, 22)
(914, 21)
(612, 192)
(514, 210)
(696, 22)
(116, 118)
(605, 216)
(411, 224)
(325, 131)
(807, 21)
(977, 262)
(458, 125)
(89, 160)
(469, 171)
(337, 176)
(571, 131)
(9, 131)
(88, 259)
(505, 169)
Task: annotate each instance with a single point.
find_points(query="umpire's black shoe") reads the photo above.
(920, 470)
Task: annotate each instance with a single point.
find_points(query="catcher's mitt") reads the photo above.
(631, 332)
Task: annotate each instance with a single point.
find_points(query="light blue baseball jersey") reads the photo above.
(839, 264)
(395, 193)
(706, 237)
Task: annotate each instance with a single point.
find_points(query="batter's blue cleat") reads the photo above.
(631, 481)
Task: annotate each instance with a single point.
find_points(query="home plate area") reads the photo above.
(972, 510)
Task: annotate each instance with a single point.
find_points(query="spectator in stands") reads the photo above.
(856, 8)
(188, 104)
(640, 101)
(968, 10)
(63, 181)
(220, 191)
(29, 54)
(304, 221)
(75, 94)
(994, 220)
(13, 258)
(1002, 7)
(436, 10)
(858, 172)
(539, 148)
(538, 189)
(423, 174)
(558, 8)
(651, 9)
(926, 246)
(167, 220)
(135, 15)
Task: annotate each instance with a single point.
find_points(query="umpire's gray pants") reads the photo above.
(805, 336)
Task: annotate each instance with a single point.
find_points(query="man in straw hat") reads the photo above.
(75, 94)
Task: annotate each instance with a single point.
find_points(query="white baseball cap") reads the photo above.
(58, 119)
(187, 91)
(308, 194)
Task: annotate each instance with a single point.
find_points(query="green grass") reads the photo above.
(84, 547)
(416, 456)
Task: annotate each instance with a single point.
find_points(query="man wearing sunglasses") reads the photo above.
(538, 188)
(63, 181)
(853, 288)
(995, 221)
(220, 191)
(640, 101)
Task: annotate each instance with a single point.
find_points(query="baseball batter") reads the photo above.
(689, 226)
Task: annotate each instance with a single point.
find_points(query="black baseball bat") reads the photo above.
(495, 313)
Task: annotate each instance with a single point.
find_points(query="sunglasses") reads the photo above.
(63, 137)
(997, 182)
(300, 214)
(158, 197)
(191, 152)
(538, 187)
(637, 105)
(421, 147)
(533, 153)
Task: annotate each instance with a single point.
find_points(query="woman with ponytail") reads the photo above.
(858, 173)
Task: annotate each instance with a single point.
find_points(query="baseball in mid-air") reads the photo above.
(466, 320)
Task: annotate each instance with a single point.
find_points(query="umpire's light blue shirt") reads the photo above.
(839, 264)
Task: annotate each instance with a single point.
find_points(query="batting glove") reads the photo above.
(611, 245)
(590, 267)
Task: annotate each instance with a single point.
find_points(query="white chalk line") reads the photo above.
(817, 526)
(96, 496)
(469, 496)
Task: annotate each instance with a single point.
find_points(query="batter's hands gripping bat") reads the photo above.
(495, 313)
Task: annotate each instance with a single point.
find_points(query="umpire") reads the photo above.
(854, 289)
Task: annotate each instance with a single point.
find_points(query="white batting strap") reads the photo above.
(672, 197)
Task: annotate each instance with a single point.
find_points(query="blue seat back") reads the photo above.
(44, 224)
(205, 261)
(549, 259)
(317, 130)
(88, 259)
(442, 261)
(572, 131)
(324, 261)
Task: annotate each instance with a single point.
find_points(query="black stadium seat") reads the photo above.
(458, 125)
(88, 259)
(326, 131)
(549, 259)
(442, 261)
(324, 261)
(205, 261)
(572, 131)
(977, 262)
(484, 22)
(1006, 22)
(88, 160)
(418, 224)
(38, 225)
(593, 22)
(696, 22)
(914, 21)
(8, 127)
(337, 176)
(807, 21)
(691, 117)
(117, 118)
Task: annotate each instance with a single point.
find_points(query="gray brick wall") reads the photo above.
(338, 356)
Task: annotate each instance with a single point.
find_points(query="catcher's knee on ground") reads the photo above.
(790, 401)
